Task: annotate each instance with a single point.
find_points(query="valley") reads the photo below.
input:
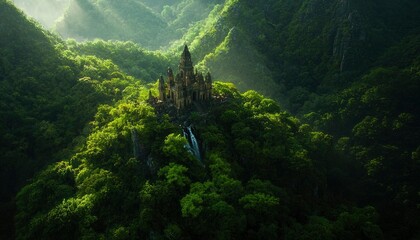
(310, 129)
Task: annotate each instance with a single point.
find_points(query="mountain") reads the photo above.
(151, 24)
(342, 162)
(349, 68)
(375, 121)
(130, 57)
(42, 86)
(29, 85)
(260, 175)
(305, 46)
(131, 20)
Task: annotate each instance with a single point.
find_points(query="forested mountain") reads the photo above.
(342, 162)
(42, 86)
(130, 57)
(152, 24)
(305, 46)
(261, 174)
(350, 68)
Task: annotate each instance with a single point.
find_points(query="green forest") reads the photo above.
(312, 130)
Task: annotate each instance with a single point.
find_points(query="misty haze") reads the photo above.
(210, 119)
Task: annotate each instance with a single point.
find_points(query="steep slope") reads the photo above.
(376, 121)
(308, 46)
(263, 175)
(28, 59)
(122, 20)
(130, 57)
(349, 68)
(151, 24)
(228, 51)
(42, 89)
(328, 60)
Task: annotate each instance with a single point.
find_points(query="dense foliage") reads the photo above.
(350, 68)
(130, 57)
(376, 122)
(153, 24)
(262, 175)
(47, 95)
(304, 46)
(349, 169)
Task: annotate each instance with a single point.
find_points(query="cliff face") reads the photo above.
(312, 45)
(347, 35)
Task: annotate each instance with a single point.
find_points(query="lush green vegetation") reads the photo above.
(72, 114)
(47, 95)
(349, 68)
(263, 175)
(130, 57)
(153, 24)
(303, 46)
(376, 123)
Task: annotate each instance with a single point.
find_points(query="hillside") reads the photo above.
(333, 154)
(152, 24)
(349, 68)
(262, 175)
(303, 46)
(130, 57)
(355, 78)
(129, 20)
(42, 86)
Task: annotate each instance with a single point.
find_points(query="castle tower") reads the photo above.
(162, 89)
(171, 79)
(209, 87)
(186, 86)
(186, 68)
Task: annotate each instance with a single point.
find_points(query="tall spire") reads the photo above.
(187, 86)
(186, 53)
(185, 64)
(171, 81)
(162, 89)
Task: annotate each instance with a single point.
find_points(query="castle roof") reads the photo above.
(186, 53)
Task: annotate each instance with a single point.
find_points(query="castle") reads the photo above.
(186, 87)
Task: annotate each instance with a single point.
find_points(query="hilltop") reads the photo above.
(330, 150)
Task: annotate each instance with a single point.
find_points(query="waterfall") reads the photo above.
(192, 143)
(139, 150)
(136, 144)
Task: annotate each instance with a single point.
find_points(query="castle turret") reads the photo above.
(186, 86)
(186, 67)
(200, 78)
(171, 80)
(208, 78)
(185, 63)
(162, 89)
(209, 86)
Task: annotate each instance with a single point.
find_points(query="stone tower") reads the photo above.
(187, 86)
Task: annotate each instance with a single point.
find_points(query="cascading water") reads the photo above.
(192, 143)
(136, 144)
